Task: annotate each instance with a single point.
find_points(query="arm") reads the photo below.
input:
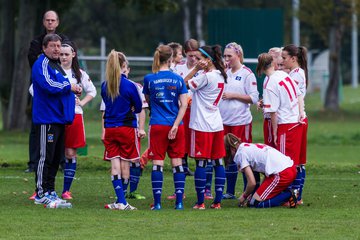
(181, 113)
(142, 116)
(251, 183)
(102, 127)
(88, 87)
(301, 109)
(274, 125)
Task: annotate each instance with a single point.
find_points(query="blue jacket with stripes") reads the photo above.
(53, 100)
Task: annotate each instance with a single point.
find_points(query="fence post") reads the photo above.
(102, 62)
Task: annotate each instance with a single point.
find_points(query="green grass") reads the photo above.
(331, 209)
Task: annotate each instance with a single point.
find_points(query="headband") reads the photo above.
(206, 54)
(67, 45)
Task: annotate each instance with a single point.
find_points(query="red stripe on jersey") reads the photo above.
(245, 67)
(193, 84)
(266, 81)
(267, 106)
(297, 70)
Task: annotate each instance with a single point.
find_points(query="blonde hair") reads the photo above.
(161, 56)
(238, 49)
(113, 73)
(231, 142)
(264, 62)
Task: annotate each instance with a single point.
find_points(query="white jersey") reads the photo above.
(266, 114)
(281, 96)
(207, 90)
(182, 69)
(233, 111)
(261, 158)
(298, 75)
(86, 85)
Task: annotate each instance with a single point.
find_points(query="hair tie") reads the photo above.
(206, 54)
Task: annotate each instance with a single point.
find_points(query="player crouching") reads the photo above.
(279, 171)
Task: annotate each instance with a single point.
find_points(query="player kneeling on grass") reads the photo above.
(279, 171)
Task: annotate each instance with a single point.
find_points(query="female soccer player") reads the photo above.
(74, 133)
(240, 91)
(279, 171)
(122, 102)
(166, 94)
(295, 59)
(177, 55)
(283, 101)
(205, 121)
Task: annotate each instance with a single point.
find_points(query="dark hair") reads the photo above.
(51, 37)
(264, 62)
(174, 46)
(231, 142)
(162, 54)
(191, 45)
(214, 53)
(301, 54)
(75, 61)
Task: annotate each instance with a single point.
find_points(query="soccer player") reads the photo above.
(295, 59)
(240, 91)
(279, 171)
(205, 121)
(166, 94)
(122, 102)
(74, 133)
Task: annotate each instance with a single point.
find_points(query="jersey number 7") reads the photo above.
(221, 86)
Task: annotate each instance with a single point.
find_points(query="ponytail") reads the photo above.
(231, 142)
(301, 54)
(264, 62)
(161, 56)
(112, 75)
(215, 55)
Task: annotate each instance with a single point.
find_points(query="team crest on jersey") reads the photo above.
(50, 137)
(238, 78)
(173, 94)
(160, 95)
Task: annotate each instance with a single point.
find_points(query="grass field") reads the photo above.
(331, 195)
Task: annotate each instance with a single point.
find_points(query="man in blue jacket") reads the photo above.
(53, 107)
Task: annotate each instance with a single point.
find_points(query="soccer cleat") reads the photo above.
(46, 199)
(216, 206)
(67, 195)
(208, 195)
(179, 206)
(173, 197)
(228, 196)
(32, 197)
(155, 207)
(293, 198)
(55, 197)
(120, 206)
(55, 204)
(135, 195)
(199, 206)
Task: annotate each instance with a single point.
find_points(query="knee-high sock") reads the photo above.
(219, 179)
(297, 182)
(209, 175)
(185, 163)
(69, 173)
(125, 183)
(231, 177)
(118, 188)
(157, 179)
(200, 180)
(179, 183)
(272, 202)
(303, 175)
(135, 171)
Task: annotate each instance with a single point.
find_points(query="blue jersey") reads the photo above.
(120, 111)
(164, 89)
(53, 101)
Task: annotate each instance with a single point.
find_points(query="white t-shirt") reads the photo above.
(86, 85)
(207, 90)
(298, 74)
(281, 96)
(261, 158)
(233, 111)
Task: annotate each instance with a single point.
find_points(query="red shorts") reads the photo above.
(242, 131)
(268, 133)
(303, 148)
(186, 120)
(159, 143)
(121, 142)
(276, 183)
(289, 140)
(207, 145)
(75, 133)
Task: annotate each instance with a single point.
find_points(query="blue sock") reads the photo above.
(297, 182)
(303, 175)
(209, 175)
(157, 179)
(135, 171)
(125, 183)
(117, 184)
(275, 201)
(179, 183)
(69, 173)
(200, 180)
(231, 177)
(219, 180)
